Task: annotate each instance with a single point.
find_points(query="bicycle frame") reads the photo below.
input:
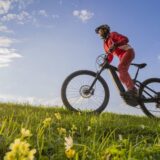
(113, 70)
(147, 97)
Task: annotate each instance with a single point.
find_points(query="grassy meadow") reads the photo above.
(53, 133)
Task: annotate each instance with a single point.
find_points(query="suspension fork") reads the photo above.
(97, 75)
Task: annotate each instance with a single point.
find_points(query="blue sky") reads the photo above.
(42, 41)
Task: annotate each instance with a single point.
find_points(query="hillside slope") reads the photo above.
(87, 137)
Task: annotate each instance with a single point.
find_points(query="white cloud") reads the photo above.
(7, 54)
(31, 100)
(24, 17)
(4, 6)
(84, 15)
(21, 4)
(20, 18)
(4, 29)
(5, 42)
(42, 13)
(55, 16)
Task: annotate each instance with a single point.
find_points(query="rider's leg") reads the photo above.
(123, 67)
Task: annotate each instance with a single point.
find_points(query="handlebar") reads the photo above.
(102, 61)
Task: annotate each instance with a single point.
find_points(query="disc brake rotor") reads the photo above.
(85, 92)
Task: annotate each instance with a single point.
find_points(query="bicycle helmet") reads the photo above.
(106, 28)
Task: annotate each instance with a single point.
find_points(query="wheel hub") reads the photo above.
(85, 92)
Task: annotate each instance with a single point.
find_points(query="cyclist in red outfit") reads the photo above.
(117, 44)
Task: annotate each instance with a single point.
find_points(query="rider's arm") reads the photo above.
(109, 57)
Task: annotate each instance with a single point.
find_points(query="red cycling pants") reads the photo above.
(123, 67)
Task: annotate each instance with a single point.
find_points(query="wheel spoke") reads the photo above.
(76, 94)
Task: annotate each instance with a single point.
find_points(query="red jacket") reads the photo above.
(119, 39)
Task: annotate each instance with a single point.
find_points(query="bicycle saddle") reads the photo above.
(142, 65)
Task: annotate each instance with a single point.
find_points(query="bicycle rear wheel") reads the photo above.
(75, 95)
(150, 97)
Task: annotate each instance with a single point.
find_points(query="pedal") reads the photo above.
(130, 100)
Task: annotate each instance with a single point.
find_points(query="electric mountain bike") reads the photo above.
(85, 90)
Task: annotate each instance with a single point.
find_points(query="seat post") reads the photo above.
(136, 74)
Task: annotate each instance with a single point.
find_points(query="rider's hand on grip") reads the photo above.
(106, 59)
(109, 57)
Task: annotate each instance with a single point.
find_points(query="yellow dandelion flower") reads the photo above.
(74, 128)
(20, 146)
(47, 122)
(24, 147)
(15, 145)
(9, 156)
(25, 133)
(31, 154)
(68, 143)
(20, 150)
(70, 153)
(61, 131)
(89, 128)
(58, 116)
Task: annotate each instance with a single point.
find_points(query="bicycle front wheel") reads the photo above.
(150, 97)
(76, 95)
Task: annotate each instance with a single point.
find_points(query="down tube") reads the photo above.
(116, 80)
